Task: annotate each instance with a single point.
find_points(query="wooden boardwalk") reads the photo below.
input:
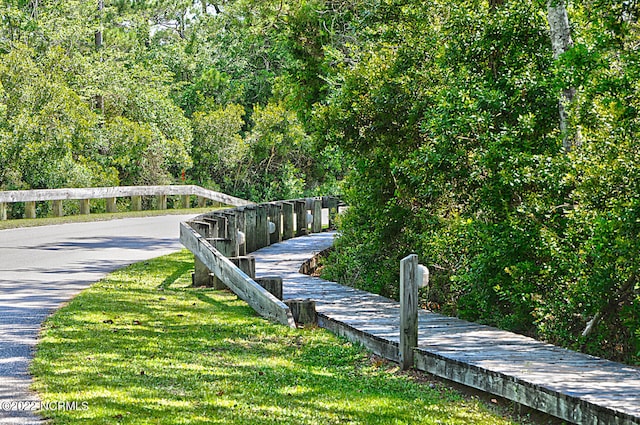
(574, 387)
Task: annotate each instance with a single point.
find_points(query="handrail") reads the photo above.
(116, 192)
(242, 230)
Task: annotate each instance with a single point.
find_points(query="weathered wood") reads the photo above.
(30, 209)
(247, 264)
(408, 310)
(112, 206)
(275, 217)
(303, 311)
(57, 209)
(136, 203)
(241, 228)
(224, 246)
(232, 231)
(574, 387)
(242, 285)
(262, 226)
(202, 227)
(223, 228)
(250, 217)
(3, 211)
(201, 275)
(202, 202)
(85, 206)
(316, 225)
(273, 284)
(288, 219)
(185, 201)
(300, 208)
(117, 192)
(161, 202)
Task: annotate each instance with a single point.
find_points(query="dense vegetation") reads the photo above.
(438, 121)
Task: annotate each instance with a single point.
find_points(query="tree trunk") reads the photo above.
(561, 42)
(99, 99)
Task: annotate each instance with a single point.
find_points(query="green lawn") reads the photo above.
(141, 347)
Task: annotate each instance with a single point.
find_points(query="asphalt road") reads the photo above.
(43, 267)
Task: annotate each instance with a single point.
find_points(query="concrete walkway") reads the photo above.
(572, 386)
(43, 267)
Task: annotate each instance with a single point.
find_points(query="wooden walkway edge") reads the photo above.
(574, 387)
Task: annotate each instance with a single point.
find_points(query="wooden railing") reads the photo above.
(221, 241)
(110, 194)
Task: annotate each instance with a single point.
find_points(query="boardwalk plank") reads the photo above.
(573, 386)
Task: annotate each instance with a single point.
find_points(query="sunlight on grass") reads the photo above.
(140, 348)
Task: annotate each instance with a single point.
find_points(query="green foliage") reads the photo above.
(450, 113)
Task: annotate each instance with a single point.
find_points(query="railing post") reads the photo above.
(241, 227)
(201, 274)
(262, 226)
(185, 201)
(85, 207)
(287, 220)
(3, 211)
(162, 202)
(30, 209)
(300, 208)
(275, 217)
(316, 226)
(250, 226)
(112, 206)
(136, 203)
(408, 309)
(57, 209)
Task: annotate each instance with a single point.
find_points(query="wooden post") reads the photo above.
(58, 210)
(408, 309)
(275, 217)
(225, 247)
(202, 227)
(247, 264)
(3, 211)
(232, 231)
(316, 226)
(303, 311)
(262, 226)
(185, 201)
(112, 206)
(214, 227)
(287, 220)
(300, 208)
(273, 284)
(161, 202)
(241, 227)
(30, 209)
(136, 203)
(202, 202)
(85, 206)
(250, 226)
(201, 275)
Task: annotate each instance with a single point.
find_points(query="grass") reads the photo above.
(47, 221)
(142, 347)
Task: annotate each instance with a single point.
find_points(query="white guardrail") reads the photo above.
(30, 197)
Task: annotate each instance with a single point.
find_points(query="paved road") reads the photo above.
(43, 267)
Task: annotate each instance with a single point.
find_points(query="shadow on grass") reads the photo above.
(139, 352)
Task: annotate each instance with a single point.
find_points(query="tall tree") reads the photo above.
(561, 42)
